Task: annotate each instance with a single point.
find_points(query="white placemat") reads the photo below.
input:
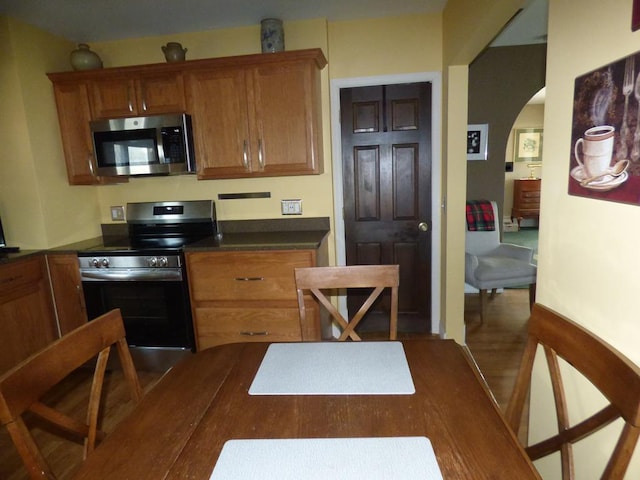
(334, 368)
(391, 458)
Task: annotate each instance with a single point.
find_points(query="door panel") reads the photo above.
(386, 145)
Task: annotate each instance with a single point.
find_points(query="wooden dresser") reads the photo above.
(526, 199)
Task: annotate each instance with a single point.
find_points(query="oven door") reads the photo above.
(155, 313)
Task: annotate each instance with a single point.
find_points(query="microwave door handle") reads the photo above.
(160, 146)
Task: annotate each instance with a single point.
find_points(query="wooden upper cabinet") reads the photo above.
(74, 115)
(260, 116)
(286, 119)
(122, 95)
(216, 100)
(252, 115)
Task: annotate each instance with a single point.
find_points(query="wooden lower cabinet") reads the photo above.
(244, 296)
(27, 318)
(66, 285)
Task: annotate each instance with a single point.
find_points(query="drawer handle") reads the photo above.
(11, 279)
(249, 279)
(254, 334)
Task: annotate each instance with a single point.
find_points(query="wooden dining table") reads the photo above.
(179, 428)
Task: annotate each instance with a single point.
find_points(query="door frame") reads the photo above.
(435, 78)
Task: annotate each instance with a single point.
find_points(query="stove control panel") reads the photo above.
(157, 262)
(129, 262)
(99, 262)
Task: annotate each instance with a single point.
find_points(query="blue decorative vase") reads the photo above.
(272, 35)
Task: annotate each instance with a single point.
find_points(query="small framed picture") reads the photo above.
(527, 145)
(477, 141)
(635, 16)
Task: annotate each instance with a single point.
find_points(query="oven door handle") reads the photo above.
(133, 275)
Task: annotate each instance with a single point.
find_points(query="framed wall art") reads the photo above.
(635, 16)
(527, 145)
(604, 153)
(477, 141)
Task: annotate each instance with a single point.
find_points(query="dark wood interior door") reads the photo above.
(386, 168)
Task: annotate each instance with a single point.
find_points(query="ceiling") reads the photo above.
(104, 20)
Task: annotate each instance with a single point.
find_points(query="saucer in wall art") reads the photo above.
(603, 184)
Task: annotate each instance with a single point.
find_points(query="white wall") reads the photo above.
(589, 264)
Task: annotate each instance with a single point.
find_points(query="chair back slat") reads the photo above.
(22, 387)
(377, 277)
(612, 373)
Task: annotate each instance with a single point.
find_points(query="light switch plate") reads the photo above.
(117, 213)
(291, 207)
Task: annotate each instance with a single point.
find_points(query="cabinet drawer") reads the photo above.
(529, 195)
(242, 276)
(530, 203)
(220, 325)
(20, 273)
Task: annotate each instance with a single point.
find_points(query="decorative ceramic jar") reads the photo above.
(84, 59)
(272, 35)
(174, 52)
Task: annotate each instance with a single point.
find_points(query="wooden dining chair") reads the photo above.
(614, 375)
(378, 277)
(22, 388)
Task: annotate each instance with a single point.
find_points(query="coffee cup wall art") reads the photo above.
(605, 134)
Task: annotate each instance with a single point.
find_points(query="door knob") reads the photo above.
(423, 227)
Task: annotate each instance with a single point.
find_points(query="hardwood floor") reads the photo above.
(496, 345)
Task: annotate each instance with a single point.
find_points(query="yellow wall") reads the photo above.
(38, 207)
(588, 249)
(468, 27)
(385, 46)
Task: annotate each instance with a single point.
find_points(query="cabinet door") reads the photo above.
(217, 102)
(220, 325)
(113, 96)
(27, 320)
(68, 297)
(286, 124)
(246, 276)
(140, 94)
(74, 115)
(160, 93)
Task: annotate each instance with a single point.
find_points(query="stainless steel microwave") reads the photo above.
(153, 145)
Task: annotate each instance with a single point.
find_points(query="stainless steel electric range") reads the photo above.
(146, 278)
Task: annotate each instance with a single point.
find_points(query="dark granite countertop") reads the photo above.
(270, 234)
(10, 257)
(294, 240)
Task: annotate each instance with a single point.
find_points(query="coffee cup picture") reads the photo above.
(604, 149)
(594, 150)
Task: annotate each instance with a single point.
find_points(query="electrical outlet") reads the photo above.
(291, 207)
(117, 213)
